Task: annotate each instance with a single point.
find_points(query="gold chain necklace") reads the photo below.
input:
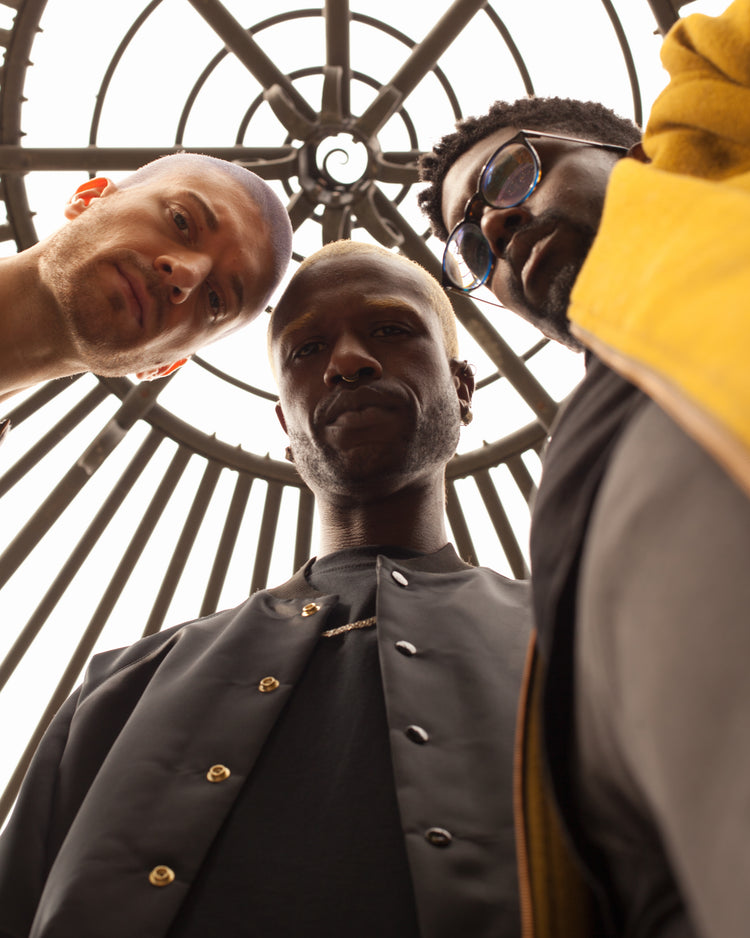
(350, 626)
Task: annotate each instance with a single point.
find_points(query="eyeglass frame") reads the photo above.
(470, 208)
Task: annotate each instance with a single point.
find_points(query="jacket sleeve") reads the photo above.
(662, 296)
(25, 852)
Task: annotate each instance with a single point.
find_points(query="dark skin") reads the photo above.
(373, 451)
(541, 244)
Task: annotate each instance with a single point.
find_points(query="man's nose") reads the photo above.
(349, 357)
(183, 273)
(500, 224)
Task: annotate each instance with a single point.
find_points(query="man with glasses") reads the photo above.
(517, 196)
(641, 529)
(507, 179)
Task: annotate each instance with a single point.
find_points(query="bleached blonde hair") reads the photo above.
(437, 298)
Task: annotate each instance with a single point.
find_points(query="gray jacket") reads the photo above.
(121, 794)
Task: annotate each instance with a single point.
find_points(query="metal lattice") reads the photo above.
(122, 511)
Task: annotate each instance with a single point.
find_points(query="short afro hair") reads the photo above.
(588, 119)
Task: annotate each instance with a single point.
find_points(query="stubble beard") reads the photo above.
(372, 471)
(551, 315)
(94, 321)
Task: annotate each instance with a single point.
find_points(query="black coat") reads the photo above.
(120, 787)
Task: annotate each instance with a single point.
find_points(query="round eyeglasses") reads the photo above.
(508, 178)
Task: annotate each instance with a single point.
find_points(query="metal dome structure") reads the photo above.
(131, 506)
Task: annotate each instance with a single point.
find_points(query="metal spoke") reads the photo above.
(501, 523)
(629, 63)
(266, 536)
(303, 540)
(458, 524)
(336, 224)
(225, 550)
(397, 166)
(338, 20)
(78, 555)
(300, 208)
(238, 40)
(15, 159)
(421, 60)
(183, 547)
(332, 100)
(139, 401)
(664, 11)
(371, 218)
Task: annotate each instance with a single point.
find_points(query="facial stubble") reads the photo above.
(370, 470)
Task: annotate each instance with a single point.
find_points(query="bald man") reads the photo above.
(180, 253)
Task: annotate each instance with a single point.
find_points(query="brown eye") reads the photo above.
(388, 330)
(309, 348)
(215, 305)
(181, 222)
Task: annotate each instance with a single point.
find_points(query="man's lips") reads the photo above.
(344, 408)
(136, 295)
(526, 250)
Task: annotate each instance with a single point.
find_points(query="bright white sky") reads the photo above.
(570, 50)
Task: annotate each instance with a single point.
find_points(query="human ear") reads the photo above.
(86, 193)
(280, 416)
(161, 371)
(463, 380)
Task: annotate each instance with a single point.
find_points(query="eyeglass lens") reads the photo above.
(510, 176)
(468, 258)
(508, 179)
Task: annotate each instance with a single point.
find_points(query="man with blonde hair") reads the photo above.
(334, 756)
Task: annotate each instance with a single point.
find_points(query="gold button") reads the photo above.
(267, 685)
(161, 876)
(439, 837)
(310, 609)
(218, 773)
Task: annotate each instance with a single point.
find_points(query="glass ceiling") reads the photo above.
(130, 507)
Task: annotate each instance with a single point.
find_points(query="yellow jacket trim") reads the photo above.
(663, 295)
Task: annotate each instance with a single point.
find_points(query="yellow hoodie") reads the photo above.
(664, 295)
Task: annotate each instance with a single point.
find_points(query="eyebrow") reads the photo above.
(390, 304)
(294, 326)
(209, 217)
(374, 304)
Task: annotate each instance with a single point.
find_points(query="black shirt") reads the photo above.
(313, 845)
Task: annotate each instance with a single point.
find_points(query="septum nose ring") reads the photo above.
(350, 379)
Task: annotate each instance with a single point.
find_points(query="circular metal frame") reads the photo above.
(374, 205)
